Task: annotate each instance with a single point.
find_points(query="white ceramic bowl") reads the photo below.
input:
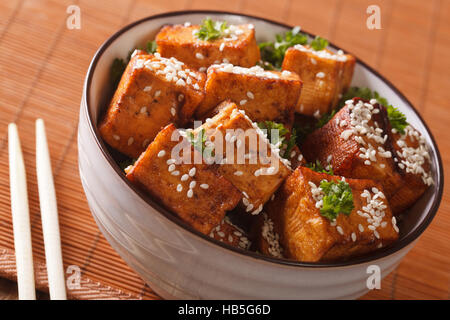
(179, 262)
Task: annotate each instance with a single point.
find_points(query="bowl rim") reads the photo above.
(379, 254)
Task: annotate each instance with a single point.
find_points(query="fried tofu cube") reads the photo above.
(356, 142)
(267, 237)
(152, 93)
(263, 95)
(196, 193)
(229, 233)
(306, 235)
(245, 156)
(239, 47)
(325, 76)
(414, 162)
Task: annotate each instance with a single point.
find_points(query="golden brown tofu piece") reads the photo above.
(152, 93)
(263, 95)
(414, 162)
(229, 233)
(307, 235)
(244, 156)
(267, 237)
(325, 76)
(357, 142)
(238, 48)
(196, 193)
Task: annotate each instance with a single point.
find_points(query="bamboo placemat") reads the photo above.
(42, 68)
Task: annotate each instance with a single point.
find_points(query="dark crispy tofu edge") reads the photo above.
(232, 199)
(107, 119)
(413, 186)
(286, 202)
(326, 141)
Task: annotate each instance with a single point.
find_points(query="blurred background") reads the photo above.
(42, 69)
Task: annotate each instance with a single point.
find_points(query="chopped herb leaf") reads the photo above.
(325, 118)
(123, 164)
(117, 68)
(396, 118)
(273, 52)
(317, 166)
(281, 141)
(338, 198)
(211, 30)
(319, 43)
(151, 46)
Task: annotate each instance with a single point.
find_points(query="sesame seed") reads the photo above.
(204, 186)
(130, 141)
(250, 95)
(313, 61)
(202, 69)
(170, 161)
(222, 45)
(171, 168)
(143, 110)
(190, 193)
(192, 184)
(361, 228)
(242, 102)
(173, 111)
(353, 236)
(238, 173)
(161, 153)
(147, 88)
(184, 177)
(196, 86)
(116, 137)
(179, 188)
(175, 173)
(180, 97)
(157, 93)
(198, 55)
(339, 229)
(192, 172)
(320, 75)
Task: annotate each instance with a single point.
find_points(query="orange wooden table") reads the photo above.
(42, 68)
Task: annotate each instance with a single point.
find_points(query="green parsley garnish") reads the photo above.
(123, 164)
(396, 118)
(285, 144)
(317, 166)
(211, 30)
(325, 118)
(151, 46)
(319, 43)
(273, 52)
(199, 142)
(338, 198)
(119, 65)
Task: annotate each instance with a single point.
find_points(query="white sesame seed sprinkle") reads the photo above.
(161, 153)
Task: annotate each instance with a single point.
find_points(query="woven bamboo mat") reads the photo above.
(42, 68)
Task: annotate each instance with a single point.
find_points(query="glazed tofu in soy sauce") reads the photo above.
(259, 170)
(413, 159)
(305, 234)
(263, 95)
(357, 143)
(325, 75)
(196, 193)
(152, 93)
(238, 46)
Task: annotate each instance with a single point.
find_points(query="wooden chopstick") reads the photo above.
(49, 216)
(20, 217)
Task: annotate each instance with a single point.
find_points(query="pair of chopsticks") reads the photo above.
(21, 217)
